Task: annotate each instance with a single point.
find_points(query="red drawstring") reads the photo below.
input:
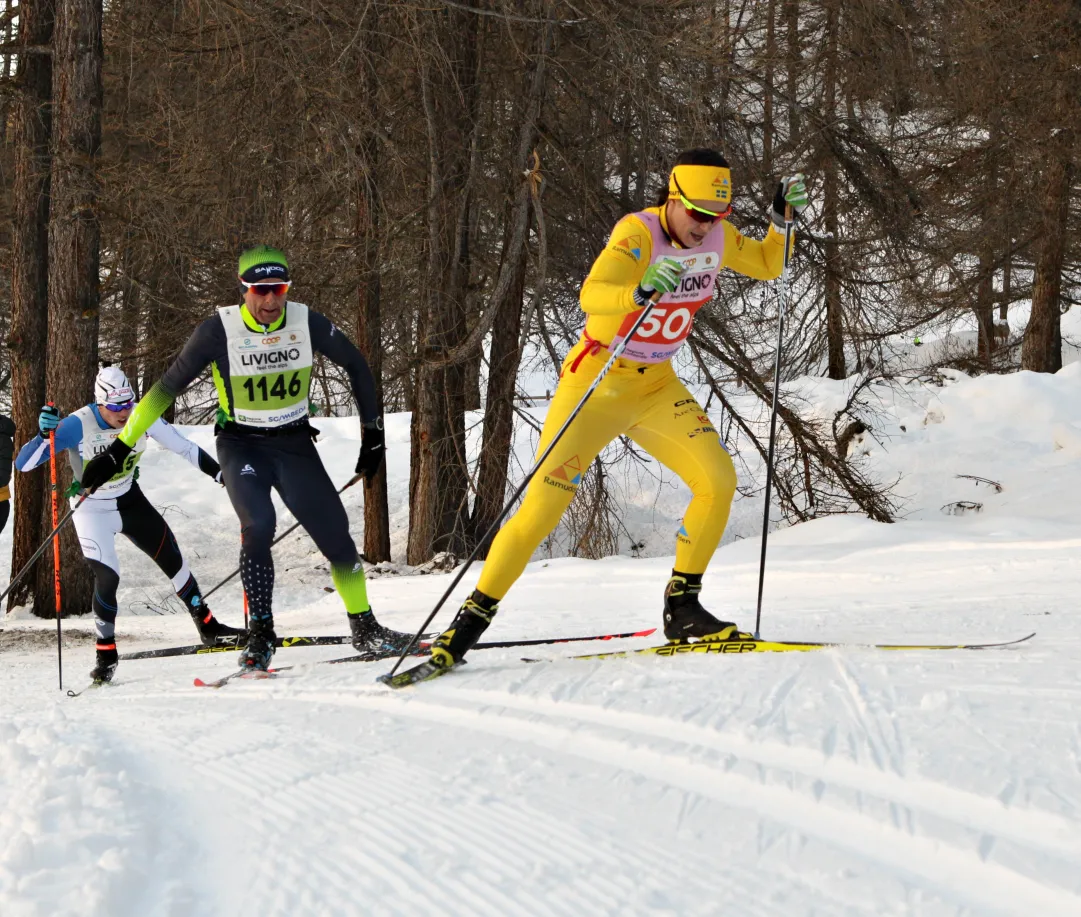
(593, 347)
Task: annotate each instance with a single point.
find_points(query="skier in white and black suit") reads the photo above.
(120, 507)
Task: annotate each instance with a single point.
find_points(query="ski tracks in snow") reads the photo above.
(476, 801)
(381, 824)
(626, 741)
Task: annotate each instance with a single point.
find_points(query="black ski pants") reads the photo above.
(251, 465)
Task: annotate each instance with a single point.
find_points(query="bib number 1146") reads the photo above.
(275, 391)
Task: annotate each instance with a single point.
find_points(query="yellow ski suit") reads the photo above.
(644, 400)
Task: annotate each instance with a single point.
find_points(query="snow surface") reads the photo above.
(842, 782)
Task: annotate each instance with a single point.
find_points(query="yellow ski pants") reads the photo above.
(649, 404)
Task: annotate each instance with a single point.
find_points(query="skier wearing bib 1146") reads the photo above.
(119, 506)
(676, 248)
(261, 353)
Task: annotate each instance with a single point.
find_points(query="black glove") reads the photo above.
(102, 468)
(373, 448)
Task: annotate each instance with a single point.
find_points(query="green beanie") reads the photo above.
(262, 263)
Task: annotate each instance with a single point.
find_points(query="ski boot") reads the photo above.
(107, 661)
(213, 633)
(256, 656)
(469, 623)
(685, 620)
(369, 636)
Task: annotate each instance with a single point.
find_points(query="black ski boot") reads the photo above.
(107, 661)
(369, 636)
(469, 623)
(213, 633)
(256, 656)
(685, 620)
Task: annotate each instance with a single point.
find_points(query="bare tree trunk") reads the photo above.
(438, 510)
(1041, 350)
(503, 361)
(835, 340)
(985, 307)
(369, 306)
(506, 351)
(767, 113)
(1007, 281)
(792, 58)
(74, 248)
(30, 273)
(129, 319)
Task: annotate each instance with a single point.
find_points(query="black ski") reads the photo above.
(427, 670)
(423, 647)
(231, 645)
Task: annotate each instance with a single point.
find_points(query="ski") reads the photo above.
(500, 644)
(245, 674)
(425, 671)
(232, 644)
(423, 647)
(781, 646)
(93, 684)
(418, 650)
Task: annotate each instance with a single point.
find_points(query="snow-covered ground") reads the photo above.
(852, 782)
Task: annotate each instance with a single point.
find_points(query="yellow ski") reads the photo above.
(783, 646)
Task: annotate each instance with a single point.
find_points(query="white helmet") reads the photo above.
(111, 386)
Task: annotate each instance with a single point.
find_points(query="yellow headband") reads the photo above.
(702, 183)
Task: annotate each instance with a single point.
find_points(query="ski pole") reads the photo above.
(56, 552)
(353, 480)
(616, 353)
(788, 220)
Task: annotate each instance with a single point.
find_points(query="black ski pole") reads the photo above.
(353, 480)
(494, 527)
(788, 218)
(45, 544)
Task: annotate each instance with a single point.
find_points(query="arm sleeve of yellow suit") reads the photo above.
(609, 288)
(760, 260)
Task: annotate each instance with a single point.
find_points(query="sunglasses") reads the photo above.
(268, 289)
(700, 214)
(117, 408)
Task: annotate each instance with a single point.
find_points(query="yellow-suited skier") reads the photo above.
(677, 248)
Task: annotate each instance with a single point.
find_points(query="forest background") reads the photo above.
(442, 174)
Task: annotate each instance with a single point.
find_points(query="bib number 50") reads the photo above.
(669, 324)
(273, 391)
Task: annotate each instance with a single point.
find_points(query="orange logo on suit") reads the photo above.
(567, 476)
